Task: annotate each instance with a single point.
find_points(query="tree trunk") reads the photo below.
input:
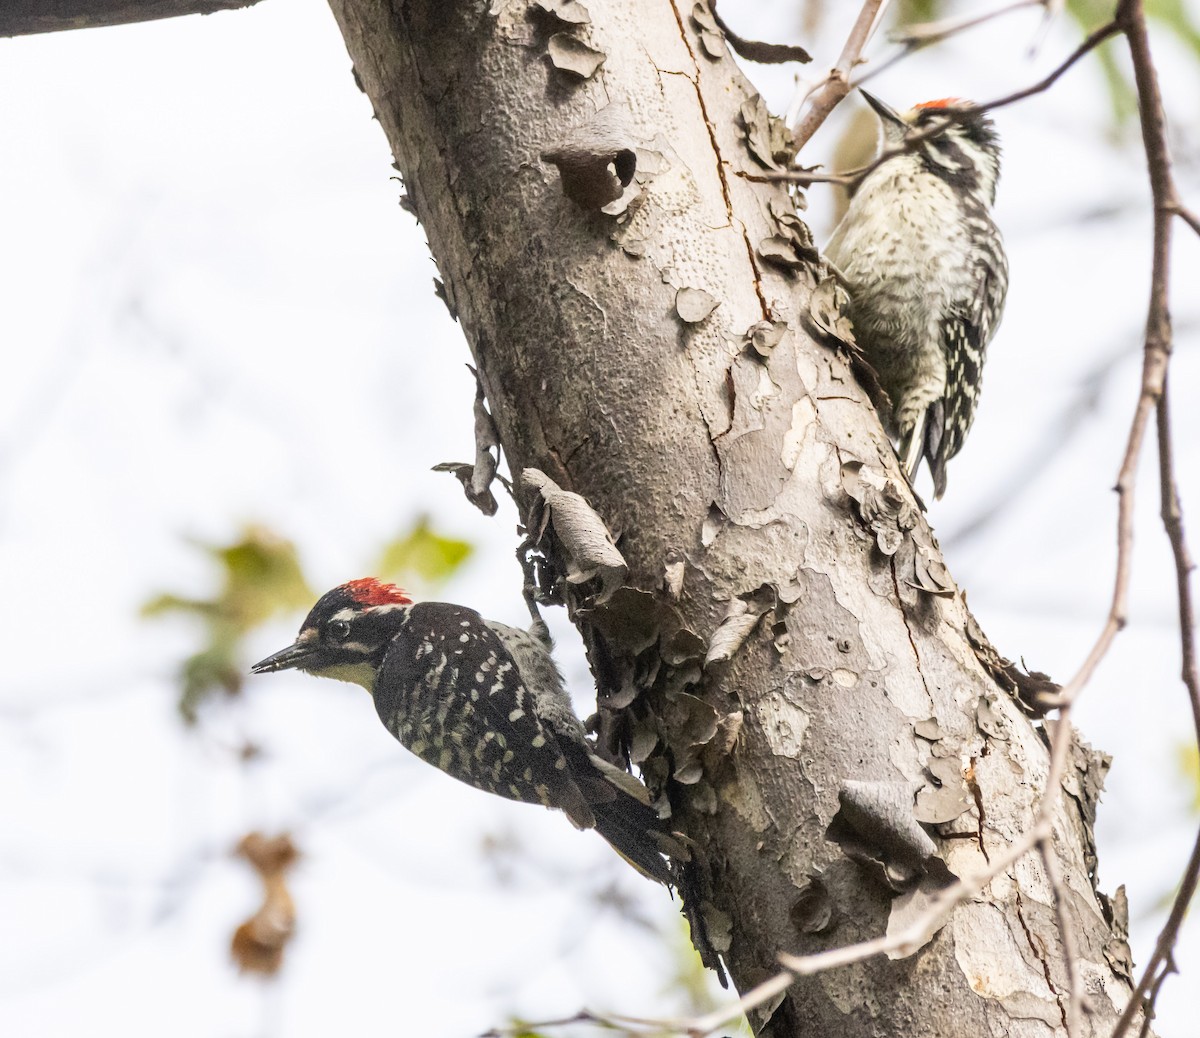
(788, 658)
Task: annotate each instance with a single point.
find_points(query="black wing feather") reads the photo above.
(450, 691)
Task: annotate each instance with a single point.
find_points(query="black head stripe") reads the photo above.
(329, 605)
(371, 628)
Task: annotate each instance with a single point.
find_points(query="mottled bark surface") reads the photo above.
(756, 501)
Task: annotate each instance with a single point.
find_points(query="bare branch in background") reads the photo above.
(837, 84)
(918, 37)
(950, 114)
(1131, 17)
(1090, 43)
(1187, 216)
(1052, 8)
(914, 37)
(21, 19)
(1172, 517)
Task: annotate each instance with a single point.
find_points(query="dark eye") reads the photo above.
(337, 630)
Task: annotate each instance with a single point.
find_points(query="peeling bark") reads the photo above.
(787, 639)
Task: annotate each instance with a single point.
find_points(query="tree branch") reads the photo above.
(59, 15)
(950, 115)
(918, 37)
(1132, 20)
(925, 33)
(1090, 43)
(1186, 215)
(837, 84)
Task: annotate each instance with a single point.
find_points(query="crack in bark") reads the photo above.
(977, 794)
(716, 147)
(1041, 957)
(908, 630)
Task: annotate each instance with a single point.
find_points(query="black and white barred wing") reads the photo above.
(450, 691)
(966, 333)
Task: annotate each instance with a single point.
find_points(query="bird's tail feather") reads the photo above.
(926, 439)
(637, 834)
(626, 818)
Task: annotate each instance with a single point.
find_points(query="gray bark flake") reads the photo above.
(570, 12)
(893, 522)
(477, 479)
(764, 336)
(587, 546)
(944, 796)
(752, 50)
(596, 161)
(875, 827)
(828, 308)
(571, 55)
(693, 305)
(732, 632)
(768, 138)
(712, 40)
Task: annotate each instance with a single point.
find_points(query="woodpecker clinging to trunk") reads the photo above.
(483, 702)
(925, 267)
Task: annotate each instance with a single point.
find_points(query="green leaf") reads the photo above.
(260, 577)
(1171, 14)
(167, 603)
(1189, 765)
(423, 553)
(1175, 16)
(213, 669)
(912, 12)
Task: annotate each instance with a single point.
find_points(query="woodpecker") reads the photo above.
(483, 702)
(925, 267)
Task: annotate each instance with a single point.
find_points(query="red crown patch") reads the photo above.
(945, 102)
(371, 592)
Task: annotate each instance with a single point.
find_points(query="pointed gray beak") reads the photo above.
(292, 656)
(885, 112)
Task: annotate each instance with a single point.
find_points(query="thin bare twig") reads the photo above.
(629, 1025)
(918, 37)
(1090, 43)
(925, 33)
(1186, 215)
(1154, 356)
(949, 115)
(1172, 517)
(837, 84)
(854, 176)
(1132, 20)
(1161, 960)
(1152, 1001)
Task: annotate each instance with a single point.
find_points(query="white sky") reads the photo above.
(214, 311)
